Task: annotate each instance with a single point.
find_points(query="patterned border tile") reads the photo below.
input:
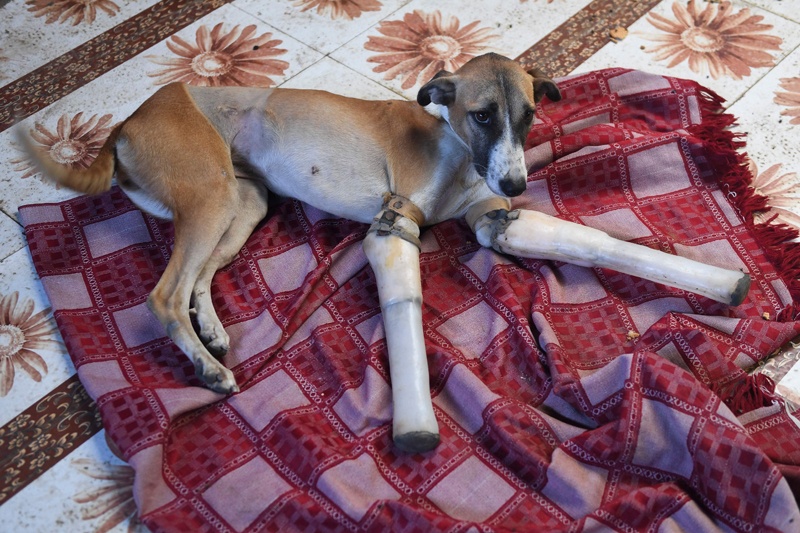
(580, 37)
(44, 434)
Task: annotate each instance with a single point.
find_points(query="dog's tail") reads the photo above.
(92, 180)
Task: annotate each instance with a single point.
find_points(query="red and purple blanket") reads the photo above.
(569, 398)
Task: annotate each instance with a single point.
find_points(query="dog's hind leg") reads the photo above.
(251, 210)
(175, 158)
(200, 219)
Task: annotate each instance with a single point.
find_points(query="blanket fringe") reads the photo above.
(789, 313)
(737, 179)
(747, 394)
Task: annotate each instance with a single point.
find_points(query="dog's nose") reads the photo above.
(513, 187)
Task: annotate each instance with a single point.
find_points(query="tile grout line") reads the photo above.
(760, 79)
(750, 4)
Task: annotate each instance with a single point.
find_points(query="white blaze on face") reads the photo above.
(506, 160)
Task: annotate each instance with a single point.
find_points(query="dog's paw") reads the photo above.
(215, 340)
(217, 346)
(216, 377)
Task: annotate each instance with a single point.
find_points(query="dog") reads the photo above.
(207, 158)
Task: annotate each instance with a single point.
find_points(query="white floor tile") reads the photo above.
(330, 75)
(771, 137)
(323, 28)
(785, 8)
(11, 236)
(789, 385)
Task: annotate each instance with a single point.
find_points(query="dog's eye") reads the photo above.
(482, 117)
(529, 115)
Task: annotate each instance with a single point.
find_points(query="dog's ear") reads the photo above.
(440, 90)
(542, 85)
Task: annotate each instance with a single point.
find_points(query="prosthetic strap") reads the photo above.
(399, 217)
(490, 218)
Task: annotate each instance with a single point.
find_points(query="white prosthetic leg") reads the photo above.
(535, 235)
(392, 248)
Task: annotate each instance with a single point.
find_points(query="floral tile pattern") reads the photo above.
(238, 56)
(762, 115)
(348, 9)
(423, 43)
(75, 141)
(32, 356)
(783, 191)
(714, 38)
(112, 502)
(789, 97)
(747, 51)
(90, 490)
(70, 11)
(23, 332)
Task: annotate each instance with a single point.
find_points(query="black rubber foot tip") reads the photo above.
(740, 292)
(417, 441)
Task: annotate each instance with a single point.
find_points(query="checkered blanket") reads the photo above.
(569, 398)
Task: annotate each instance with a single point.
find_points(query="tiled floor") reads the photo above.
(118, 53)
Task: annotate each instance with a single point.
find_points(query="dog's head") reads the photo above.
(489, 103)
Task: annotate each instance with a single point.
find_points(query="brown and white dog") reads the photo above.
(207, 157)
